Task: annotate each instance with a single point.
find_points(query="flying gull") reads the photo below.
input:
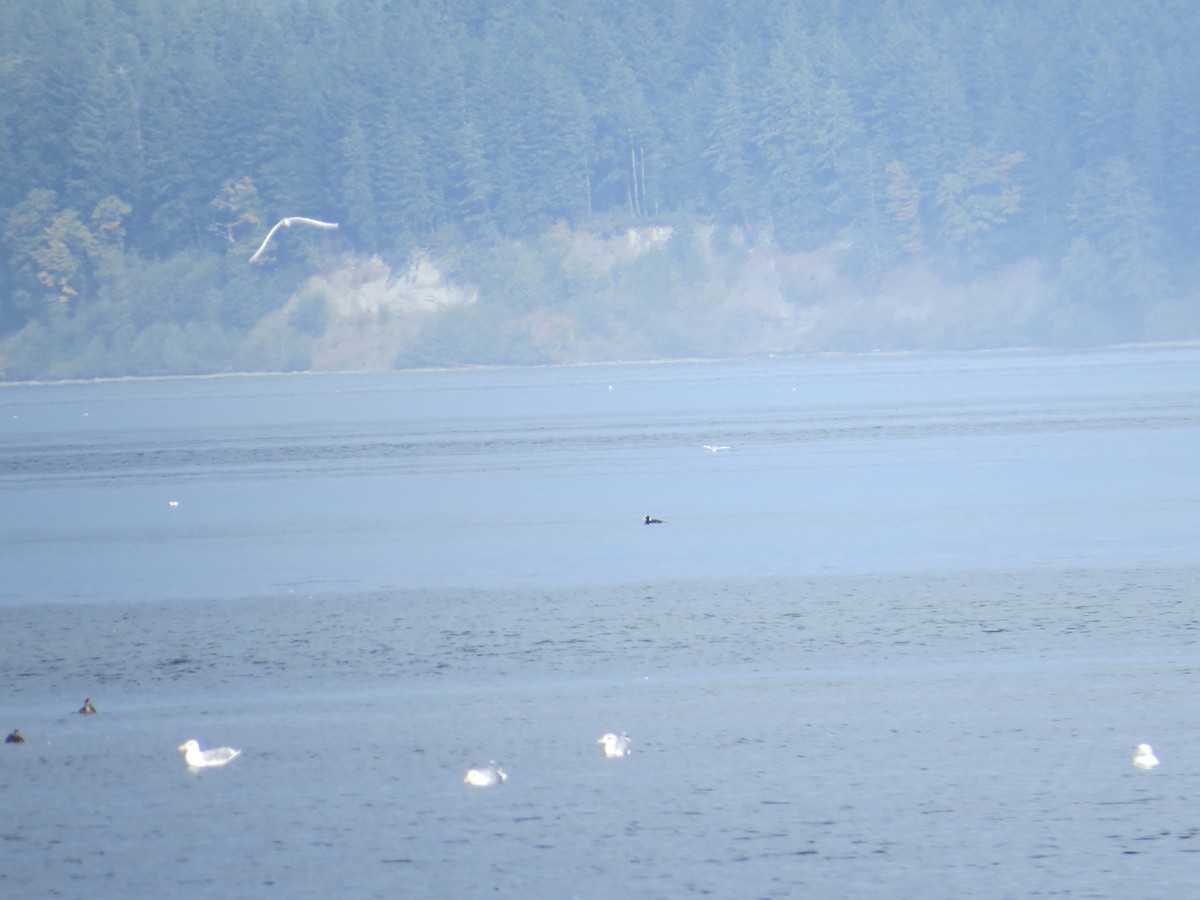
(716, 447)
(287, 223)
(206, 759)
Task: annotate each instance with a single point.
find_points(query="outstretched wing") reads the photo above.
(287, 223)
(316, 223)
(270, 234)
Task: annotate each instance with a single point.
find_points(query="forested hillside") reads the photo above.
(589, 179)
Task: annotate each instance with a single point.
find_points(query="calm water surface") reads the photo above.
(899, 640)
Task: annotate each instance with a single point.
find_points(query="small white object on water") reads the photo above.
(615, 747)
(287, 223)
(1143, 757)
(485, 776)
(172, 503)
(206, 759)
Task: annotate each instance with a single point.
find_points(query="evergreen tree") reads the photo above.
(733, 149)
(625, 128)
(1119, 218)
(358, 186)
(132, 133)
(787, 134)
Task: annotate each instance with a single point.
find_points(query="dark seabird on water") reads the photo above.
(15, 737)
(87, 709)
(650, 521)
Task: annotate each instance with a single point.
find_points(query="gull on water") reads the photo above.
(615, 747)
(716, 447)
(206, 759)
(1143, 757)
(287, 223)
(485, 776)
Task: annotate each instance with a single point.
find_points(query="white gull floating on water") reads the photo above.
(615, 747)
(485, 776)
(1143, 757)
(206, 759)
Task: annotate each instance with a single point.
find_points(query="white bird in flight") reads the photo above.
(715, 447)
(206, 759)
(615, 747)
(287, 223)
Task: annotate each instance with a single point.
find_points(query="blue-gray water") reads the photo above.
(899, 640)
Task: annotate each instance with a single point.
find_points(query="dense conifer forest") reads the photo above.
(536, 182)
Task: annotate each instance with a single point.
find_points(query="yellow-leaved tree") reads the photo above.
(978, 196)
(238, 213)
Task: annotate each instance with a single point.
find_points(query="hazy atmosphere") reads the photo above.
(565, 182)
(456, 448)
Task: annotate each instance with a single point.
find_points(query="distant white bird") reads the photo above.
(715, 447)
(1143, 757)
(206, 759)
(486, 776)
(287, 223)
(615, 747)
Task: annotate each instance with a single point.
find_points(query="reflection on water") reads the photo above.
(500, 478)
(902, 637)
